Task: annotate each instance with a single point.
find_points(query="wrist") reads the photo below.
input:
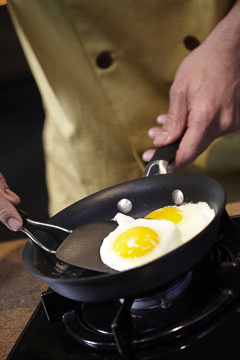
(225, 37)
(226, 34)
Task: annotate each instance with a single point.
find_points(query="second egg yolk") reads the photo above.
(170, 213)
(135, 242)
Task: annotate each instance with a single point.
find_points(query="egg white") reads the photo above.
(169, 238)
(196, 216)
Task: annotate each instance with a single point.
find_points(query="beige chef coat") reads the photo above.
(104, 69)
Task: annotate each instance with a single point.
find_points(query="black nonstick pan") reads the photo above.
(81, 246)
(145, 194)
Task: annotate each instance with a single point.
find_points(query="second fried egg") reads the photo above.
(191, 218)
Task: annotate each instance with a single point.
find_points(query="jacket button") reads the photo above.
(191, 42)
(104, 60)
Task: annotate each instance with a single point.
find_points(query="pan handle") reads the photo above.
(161, 158)
(167, 152)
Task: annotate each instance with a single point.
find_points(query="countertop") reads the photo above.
(20, 292)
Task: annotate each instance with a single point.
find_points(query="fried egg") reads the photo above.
(136, 242)
(190, 218)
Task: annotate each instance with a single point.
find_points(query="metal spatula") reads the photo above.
(80, 248)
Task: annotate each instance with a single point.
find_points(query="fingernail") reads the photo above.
(163, 136)
(150, 133)
(161, 119)
(153, 132)
(14, 224)
(146, 157)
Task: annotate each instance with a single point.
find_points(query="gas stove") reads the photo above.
(197, 316)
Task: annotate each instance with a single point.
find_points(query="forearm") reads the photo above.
(227, 33)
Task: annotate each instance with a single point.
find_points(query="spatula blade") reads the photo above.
(81, 248)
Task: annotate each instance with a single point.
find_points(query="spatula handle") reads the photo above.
(26, 218)
(37, 224)
(23, 215)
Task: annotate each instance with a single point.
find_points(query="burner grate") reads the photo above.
(119, 327)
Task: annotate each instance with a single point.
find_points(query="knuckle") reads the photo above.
(177, 91)
(2, 178)
(228, 128)
(3, 183)
(171, 121)
(229, 123)
(205, 110)
(173, 125)
(4, 213)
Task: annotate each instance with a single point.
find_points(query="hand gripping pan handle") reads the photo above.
(163, 156)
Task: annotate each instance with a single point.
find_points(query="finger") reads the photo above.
(11, 196)
(6, 192)
(195, 140)
(148, 154)
(3, 183)
(176, 119)
(154, 132)
(9, 215)
(161, 119)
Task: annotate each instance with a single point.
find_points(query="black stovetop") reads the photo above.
(202, 322)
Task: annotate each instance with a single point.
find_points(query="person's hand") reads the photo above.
(8, 213)
(205, 95)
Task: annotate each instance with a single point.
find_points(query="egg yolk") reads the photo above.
(135, 242)
(170, 213)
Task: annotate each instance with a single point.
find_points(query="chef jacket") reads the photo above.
(104, 69)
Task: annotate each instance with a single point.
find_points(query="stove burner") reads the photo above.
(158, 300)
(186, 310)
(165, 297)
(122, 328)
(112, 327)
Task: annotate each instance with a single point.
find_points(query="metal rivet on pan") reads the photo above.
(124, 205)
(178, 197)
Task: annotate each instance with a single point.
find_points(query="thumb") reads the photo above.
(176, 120)
(9, 216)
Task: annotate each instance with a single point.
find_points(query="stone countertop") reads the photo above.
(20, 292)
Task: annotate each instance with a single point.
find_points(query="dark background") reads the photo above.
(22, 119)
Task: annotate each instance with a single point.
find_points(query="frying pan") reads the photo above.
(146, 194)
(81, 246)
